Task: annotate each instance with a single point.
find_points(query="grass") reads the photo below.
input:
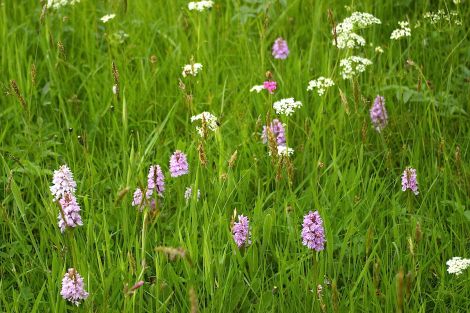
(386, 249)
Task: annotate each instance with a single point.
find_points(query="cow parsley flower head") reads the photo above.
(313, 233)
(270, 86)
(321, 84)
(257, 88)
(379, 49)
(57, 4)
(191, 69)
(189, 192)
(155, 181)
(280, 49)
(352, 66)
(208, 120)
(286, 106)
(73, 289)
(241, 231)
(200, 5)
(378, 114)
(409, 181)
(344, 31)
(137, 198)
(178, 164)
(284, 151)
(63, 183)
(107, 17)
(403, 31)
(435, 18)
(277, 128)
(457, 265)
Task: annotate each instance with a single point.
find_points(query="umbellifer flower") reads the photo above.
(286, 106)
(378, 114)
(352, 66)
(408, 180)
(280, 49)
(241, 231)
(107, 17)
(313, 233)
(321, 84)
(208, 120)
(191, 69)
(457, 265)
(178, 164)
(73, 288)
(200, 5)
(403, 31)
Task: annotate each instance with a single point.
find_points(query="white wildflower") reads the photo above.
(191, 69)
(118, 37)
(209, 119)
(403, 31)
(379, 49)
(441, 15)
(457, 265)
(107, 17)
(286, 106)
(189, 192)
(257, 88)
(283, 151)
(352, 66)
(345, 35)
(57, 4)
(321, 84)
(200, 5)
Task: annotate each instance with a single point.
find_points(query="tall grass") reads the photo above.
(386, 249)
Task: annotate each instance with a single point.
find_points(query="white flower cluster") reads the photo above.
(209, 119)
(286, 106)
(107, 17)
(283, 150)
(200, 6)
(56, 4)
(379, 49)
(118, 37)
(191, 69)
(457, 265)
(352, 66)
(441, 15)
(257, 88)
(403, 31)
(345, 35)
(321, 84)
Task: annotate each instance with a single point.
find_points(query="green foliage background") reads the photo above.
(342, 167)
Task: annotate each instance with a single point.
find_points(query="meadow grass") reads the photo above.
(386, 249)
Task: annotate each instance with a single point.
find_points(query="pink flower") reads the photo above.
(155, 181)
(280, 49)
(409, 181)
(313, 233)
(69, 215)
(241, 231)
(72, 287)
(270, 86)
(178, 164)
